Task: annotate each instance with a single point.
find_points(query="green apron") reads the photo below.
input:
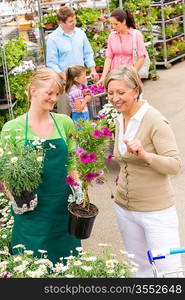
(46, 227)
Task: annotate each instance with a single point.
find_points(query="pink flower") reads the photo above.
(103, 19)
(92, 157)
(90, 176)
(106, 132)
(109, 158)
(117, 178)
(79, 151)
(101, 116)
(85, 158)
(70, 181)
(96, 133)
(93, 124)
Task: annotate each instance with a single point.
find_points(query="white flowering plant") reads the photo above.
(20, 167)
(84, 265)
(111, 115)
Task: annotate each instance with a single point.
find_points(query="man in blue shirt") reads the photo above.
(68, 46)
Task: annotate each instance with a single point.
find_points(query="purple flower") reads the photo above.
(109, 158)
(106, 132)
(85, 158)
(70, 181)
(92, 157)
(101, 173)
(90, 176)
(79, 151)
(93, 124)
(101, 116)
(109, 27)
(96, 133)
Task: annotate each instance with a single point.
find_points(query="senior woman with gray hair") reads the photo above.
(146, 151)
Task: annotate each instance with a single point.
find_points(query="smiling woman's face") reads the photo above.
(46, 95)
(122, 97)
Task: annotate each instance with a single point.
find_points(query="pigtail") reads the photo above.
(130, 22)
(69, 79)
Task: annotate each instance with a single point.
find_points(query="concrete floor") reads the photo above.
(168, 96)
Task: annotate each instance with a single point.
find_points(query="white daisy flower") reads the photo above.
(42, 268)
(77, 263)
(110, 271)
(36, 143)
(7, 137)
(28, 252)
(1, 151)
(90, 258)
(19, 246)
(109, 263)
(39, 159)
(4, 236)
(14, 159)
(69, 276)
(42, 251)
(79, 249)
(59, 267)
(20, 268)
(86, 268)
(17, 259)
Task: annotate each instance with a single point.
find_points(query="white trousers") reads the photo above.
(142, 231)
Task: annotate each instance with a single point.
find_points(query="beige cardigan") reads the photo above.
(143, 186)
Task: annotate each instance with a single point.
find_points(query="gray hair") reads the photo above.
(128, 74)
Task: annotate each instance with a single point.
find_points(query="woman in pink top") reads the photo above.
(120, 43)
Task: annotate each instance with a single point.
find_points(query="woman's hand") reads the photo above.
(7, 192)
(101, 82)
(135, 147)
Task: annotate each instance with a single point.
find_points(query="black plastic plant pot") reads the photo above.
(24, 198)
(81, 226)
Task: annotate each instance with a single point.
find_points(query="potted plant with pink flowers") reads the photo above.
(92, 139)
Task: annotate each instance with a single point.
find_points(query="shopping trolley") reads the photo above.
(157, 254)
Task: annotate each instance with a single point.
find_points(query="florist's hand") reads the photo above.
(7, 192)
(135, 147)
(94, 75)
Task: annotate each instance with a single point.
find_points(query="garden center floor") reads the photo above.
(168, 96)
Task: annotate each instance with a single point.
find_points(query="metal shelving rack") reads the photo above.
(31, 6)
(163, 23)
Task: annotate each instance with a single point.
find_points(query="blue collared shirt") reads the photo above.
(65, 50)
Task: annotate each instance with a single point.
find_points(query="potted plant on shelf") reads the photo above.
(92, 138)
(50, 19)
(20, 170)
